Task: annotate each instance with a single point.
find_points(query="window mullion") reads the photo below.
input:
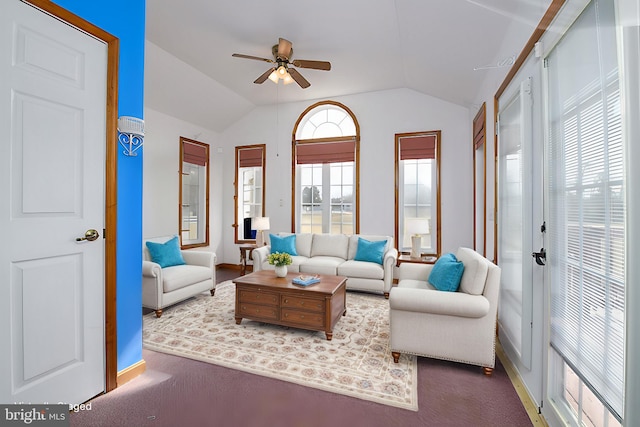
(326, 198)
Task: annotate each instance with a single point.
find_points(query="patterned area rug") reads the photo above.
(357, 362)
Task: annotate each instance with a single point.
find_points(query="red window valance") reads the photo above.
(418, 147)
(326, 152)
(250, 157)
(479, 129)
(195, 154)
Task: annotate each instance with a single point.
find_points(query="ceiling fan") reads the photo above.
(282, 65)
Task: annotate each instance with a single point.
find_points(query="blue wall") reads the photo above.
(130, 29)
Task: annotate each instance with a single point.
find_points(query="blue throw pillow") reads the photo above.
(446, 273)
(283, 244)
(370, 251)
(166, 254)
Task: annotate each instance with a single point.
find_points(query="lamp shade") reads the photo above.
(417, 226)
(260, 223)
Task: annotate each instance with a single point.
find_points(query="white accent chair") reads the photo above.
(162, 287)
(458, 326)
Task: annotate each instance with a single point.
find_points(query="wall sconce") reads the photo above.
(131, 134)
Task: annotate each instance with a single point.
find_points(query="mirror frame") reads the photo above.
(236, 197)
(438, 209)
(184, 141)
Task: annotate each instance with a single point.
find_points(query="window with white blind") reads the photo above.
(586, 256)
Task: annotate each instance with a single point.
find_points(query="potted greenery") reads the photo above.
(280, 260)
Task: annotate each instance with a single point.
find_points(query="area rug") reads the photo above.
(357, 362)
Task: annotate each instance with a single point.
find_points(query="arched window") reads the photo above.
(325, 144)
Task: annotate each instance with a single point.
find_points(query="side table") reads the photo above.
(424, 259)
(245, 254)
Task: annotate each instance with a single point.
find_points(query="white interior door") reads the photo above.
(52, 168)
(515, 179)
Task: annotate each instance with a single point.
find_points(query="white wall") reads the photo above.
(161, 166)
(380, 115)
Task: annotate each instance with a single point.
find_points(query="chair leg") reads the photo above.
(396, 356)
(159, 312)
(212, 291)
(487, 371)
(386, 295)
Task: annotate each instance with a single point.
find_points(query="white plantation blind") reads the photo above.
(586, 204)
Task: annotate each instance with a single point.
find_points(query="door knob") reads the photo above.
(89, 235)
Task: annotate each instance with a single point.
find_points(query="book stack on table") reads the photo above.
(305, 280)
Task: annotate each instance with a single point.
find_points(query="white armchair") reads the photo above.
(458, 326)
(162, 287)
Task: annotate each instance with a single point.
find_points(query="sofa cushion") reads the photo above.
(331, 245)
(370, 251)
(446, 273)
(475, 271)
(283, 244)
(361, 269)
(303, 242)
(166, 254)
(321, 265)
(179, 276)
(415, 284)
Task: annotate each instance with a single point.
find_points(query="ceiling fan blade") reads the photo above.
(284, 49)
(264, 76)
(257, 58)
(316, 65)
(299, 79)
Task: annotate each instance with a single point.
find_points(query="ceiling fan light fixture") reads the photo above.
(282, 53)
(274, 77)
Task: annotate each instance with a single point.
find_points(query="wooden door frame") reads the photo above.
(111, 154)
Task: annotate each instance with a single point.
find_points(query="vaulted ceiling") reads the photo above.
(442, 48)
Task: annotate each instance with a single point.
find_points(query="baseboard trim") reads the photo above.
(238, 267)
(529, 405)
(130, 373)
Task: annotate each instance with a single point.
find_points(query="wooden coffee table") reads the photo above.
(266, 298)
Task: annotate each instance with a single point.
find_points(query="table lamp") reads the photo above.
(416, 227)
(260, 223)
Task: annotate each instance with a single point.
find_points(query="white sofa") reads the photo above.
(458, 326)
(334, 254)
(162, 287)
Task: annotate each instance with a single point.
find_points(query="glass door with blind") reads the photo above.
(586, 222)
(515, 175)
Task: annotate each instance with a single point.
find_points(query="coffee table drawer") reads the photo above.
(259, 297)
(255, 311)
(305, 303)
(302, 318)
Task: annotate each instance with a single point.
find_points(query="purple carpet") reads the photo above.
(179, 392)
